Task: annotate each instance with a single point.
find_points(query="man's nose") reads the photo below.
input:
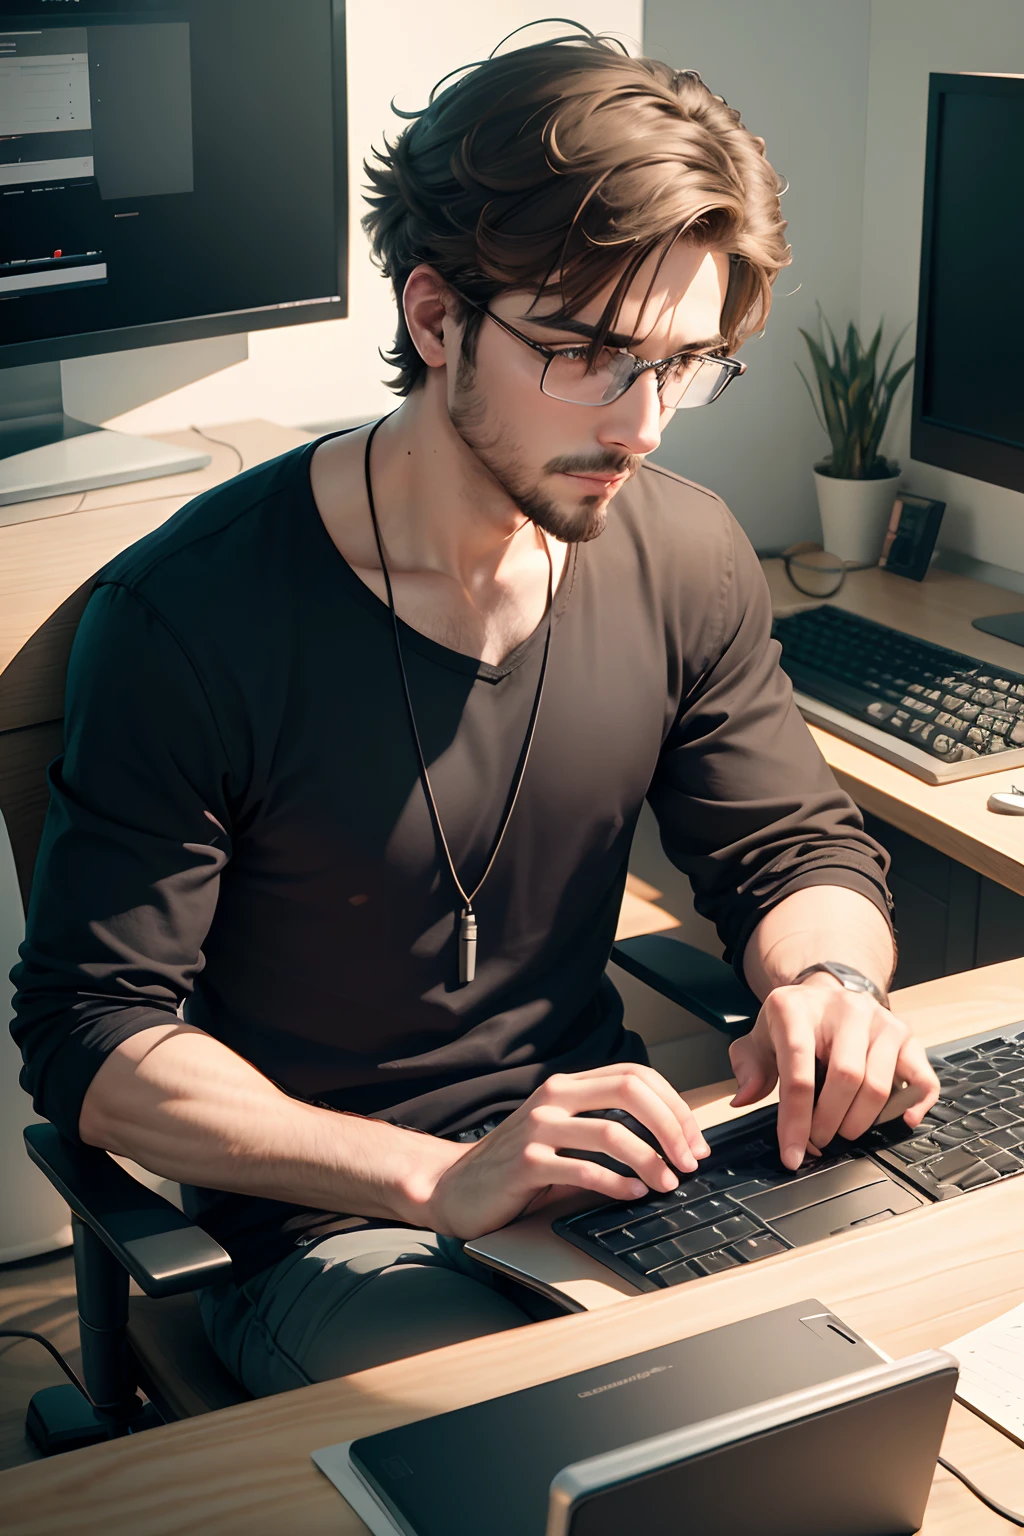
(633, 421)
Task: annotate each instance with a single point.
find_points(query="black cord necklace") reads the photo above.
(468, 932)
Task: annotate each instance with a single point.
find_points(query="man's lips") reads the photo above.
(602, 480)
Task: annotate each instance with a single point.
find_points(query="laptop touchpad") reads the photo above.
(875, 1202)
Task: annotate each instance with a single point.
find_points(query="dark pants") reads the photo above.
(356, 1300)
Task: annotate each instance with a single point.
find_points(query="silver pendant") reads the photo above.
(467, 947)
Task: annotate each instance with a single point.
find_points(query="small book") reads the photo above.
(992, 1372)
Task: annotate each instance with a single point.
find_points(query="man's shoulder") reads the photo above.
(675, 519)
(218, 537)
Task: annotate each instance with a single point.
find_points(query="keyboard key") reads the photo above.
(978, 1098)
(710, 1210)
(917, 1151)
(736, 1226)
(975, 1177)
(713, 1263)
(952, 1136)
(946, 1168)
(690, 1245)
(1005, 1163)
(1003, 1138)
(999, 1116)
(941, 1114)
(983, 1146)
(678, 1274)
(648, 1260)
(751, 1248)
(618, 1242)
(653, 1229)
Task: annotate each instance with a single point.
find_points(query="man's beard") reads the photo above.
(498, 454)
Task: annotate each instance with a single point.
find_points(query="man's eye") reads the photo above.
(604, 359)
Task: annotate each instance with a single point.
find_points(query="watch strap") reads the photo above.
(847, 976)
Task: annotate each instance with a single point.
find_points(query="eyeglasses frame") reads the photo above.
(732, 366)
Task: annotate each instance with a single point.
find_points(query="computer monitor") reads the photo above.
(169, 170)
(968, 412)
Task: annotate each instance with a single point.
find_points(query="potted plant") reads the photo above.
(856, 486)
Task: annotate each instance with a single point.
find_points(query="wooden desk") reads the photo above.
(950, 817)
(911, 1283)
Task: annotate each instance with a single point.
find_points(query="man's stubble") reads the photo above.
(500, 455)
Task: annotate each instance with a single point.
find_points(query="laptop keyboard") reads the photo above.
(974, 1135)
(743, 1204)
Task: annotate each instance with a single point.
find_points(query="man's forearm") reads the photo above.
(186, 1107)
(821, 922)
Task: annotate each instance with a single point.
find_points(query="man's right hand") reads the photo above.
(517, 1167)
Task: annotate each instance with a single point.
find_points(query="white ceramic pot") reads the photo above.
(855, 515)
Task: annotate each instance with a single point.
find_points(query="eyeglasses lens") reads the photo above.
(693, 382)
(813, 571)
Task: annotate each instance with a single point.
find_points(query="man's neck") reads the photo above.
(467, 568)
(439, 508)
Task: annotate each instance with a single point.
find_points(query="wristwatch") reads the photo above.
(852, 980)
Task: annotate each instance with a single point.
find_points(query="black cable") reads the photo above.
(998, 1509)
(24, 1333)
(221, 443)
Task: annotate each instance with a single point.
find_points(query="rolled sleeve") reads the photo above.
(135, 840)
(747, 807)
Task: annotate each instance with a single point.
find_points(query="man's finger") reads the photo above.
(913, 1066)
(753, 1064)
(847, 1065)
(794, 1052)
(649, 1099)
(879, 1071)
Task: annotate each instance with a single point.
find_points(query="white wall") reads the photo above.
(797, 70)
(910, 39)
(331, 371)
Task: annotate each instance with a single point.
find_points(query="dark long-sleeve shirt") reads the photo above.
(237, 822)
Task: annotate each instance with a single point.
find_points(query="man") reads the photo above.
(414, 682)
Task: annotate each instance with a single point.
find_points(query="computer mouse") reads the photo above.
(1010, 803)
(631, 1123)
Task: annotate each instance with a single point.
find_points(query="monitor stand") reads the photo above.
(45, 452)
(1008, 626)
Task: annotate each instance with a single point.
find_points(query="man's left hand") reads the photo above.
(864, 1047)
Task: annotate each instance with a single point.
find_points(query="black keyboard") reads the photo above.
(743, 1204)
(942, 703)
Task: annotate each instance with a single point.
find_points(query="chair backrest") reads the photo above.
(32, 729)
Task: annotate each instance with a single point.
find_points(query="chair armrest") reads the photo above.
(161, 1249)
(696, 981)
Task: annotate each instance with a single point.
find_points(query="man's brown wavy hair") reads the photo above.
(560, 166)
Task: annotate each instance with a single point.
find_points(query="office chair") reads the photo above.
(121, 1228)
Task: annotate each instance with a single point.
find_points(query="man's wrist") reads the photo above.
(417, 1188)
(845, 976)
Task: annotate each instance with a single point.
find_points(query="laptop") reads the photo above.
(787, 1423)
(742, 1204)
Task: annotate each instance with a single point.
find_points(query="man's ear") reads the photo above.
(427, 305)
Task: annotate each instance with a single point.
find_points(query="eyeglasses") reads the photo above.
(685, 380)
(812, 570)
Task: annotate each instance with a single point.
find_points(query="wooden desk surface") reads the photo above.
(910, 1283)
(951, 817)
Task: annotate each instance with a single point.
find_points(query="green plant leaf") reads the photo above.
(810, 391)
(854, 399)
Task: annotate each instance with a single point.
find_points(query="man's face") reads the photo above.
(562, 463)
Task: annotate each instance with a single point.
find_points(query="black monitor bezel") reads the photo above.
(52, 349)
(932, 442)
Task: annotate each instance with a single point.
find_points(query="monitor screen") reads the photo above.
(969, 395)
(167, 170)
